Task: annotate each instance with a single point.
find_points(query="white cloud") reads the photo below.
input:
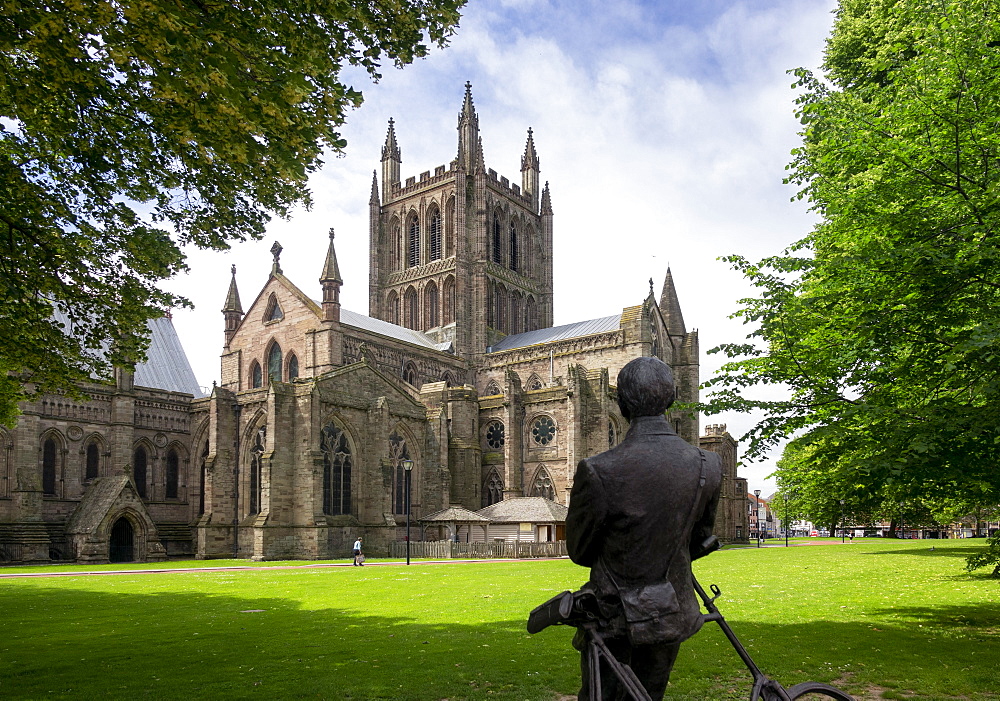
(664, 137)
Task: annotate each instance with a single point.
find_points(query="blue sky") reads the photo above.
(663, 129)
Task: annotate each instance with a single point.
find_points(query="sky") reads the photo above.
(663, 128)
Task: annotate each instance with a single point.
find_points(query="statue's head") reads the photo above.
(645, 388)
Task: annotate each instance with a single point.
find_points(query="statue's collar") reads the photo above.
(651, 424)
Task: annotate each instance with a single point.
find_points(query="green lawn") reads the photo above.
(877, 617)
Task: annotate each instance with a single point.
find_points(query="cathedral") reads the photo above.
(456, 381)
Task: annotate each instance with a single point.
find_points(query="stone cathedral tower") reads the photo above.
(459, 241)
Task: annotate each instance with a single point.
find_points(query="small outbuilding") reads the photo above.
(457, 523)
(526, 519)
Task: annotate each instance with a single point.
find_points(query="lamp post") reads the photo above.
(784, 498)
(843, 531)
(756, 495)
(902, 531)
(407, 469)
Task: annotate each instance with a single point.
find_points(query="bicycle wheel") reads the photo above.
(824, 690)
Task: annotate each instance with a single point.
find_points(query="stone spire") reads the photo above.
(374, 198)
(232, 310)
(331, 281)
(546, 201)
(670, 307)
(391, 160)
(530, 170)
(470, 146)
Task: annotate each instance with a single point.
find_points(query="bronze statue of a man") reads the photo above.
(638, 515)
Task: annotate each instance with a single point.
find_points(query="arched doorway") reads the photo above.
(122, 545)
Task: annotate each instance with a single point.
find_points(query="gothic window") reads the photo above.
(612, 434)
(410, 374)
(431, 314)
(413, 243)
(273, 310)
(449, 230)
(449, 301)
(293, 366)
(274, 363)
(499, 309)
(201, 483)
(256, 376)
(533, 383)
(395, 260)
(173, 474)
(49, 453)
(411, 320)
(336, 470)
(257, 469)
(655, 338)
(492, 389)
(543, 430)
(515, 313)
(435, 242)
(495, 435)
(497, 239)
(140, 468)
(392, 305)
(530, 315)
(93, 467)
(542, 485)
(398, 452)
(448, 379)
(492, 488)
(514, 248)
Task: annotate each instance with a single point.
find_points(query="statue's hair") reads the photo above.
(645, 388)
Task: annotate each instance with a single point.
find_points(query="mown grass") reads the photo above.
(877, 617)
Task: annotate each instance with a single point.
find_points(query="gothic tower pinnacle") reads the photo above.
(331, 281)
(530, 170)
(469, 144)
(670, 307)
(232, 310)
(391, 160)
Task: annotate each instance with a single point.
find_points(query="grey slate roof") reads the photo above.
(166, 365)
(559, 333)
(384, 328)
(454, 514)
(525, 510)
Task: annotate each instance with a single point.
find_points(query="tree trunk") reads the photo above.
(892, 529)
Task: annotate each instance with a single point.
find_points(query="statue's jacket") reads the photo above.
(632, 509)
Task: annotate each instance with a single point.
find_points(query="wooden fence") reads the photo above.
(445, 549)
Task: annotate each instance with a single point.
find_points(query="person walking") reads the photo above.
(359, 558)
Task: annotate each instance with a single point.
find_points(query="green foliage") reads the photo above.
(984, 558)
(129, 129)
(866, 616)
(883, 324)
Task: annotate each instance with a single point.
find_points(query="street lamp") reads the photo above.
(408, 469)
(843, 531)
(756, 494)
(902, 530)
(784, 498)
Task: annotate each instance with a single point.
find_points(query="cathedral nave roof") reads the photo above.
(559, 333)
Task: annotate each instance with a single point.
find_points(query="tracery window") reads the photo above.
(93, 467)
(395, 259)
(293, 367)
(530, 315)
(256, 375)
(337, 463)
(499, 309)
(257, 469)
(533, 383)
(201, 481)
(435, 232)
(413, 243)
(273, 311)
(140, 465)
(410, 309)
(398, 452)
(495, 435)
(492, 488)
(543, 430)
(612, 434)
(431, 305)
(542, 485)
(274, 363)
(497, 239)
(449, 300)
(410, 374)
(49, 467)
(516, 313)
(173, 474)
(514, 248)
(492, 389)
(393, 306)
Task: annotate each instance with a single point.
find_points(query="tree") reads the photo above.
(882, 324)
(131, 128)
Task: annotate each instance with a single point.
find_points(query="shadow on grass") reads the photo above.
(962, 552)
(62, 643)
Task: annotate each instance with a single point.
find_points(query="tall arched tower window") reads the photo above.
(492, 488)
(293, 366)
(392, 304)
(203, 468)
(337, 463)
(49, 456)
(173, 473)
(497, 239)
(516, 313)
(435, 235)
(257, 469)
(274, 363)
(140, 469)
(413, 242)
(431, 315)
(514, 248)
(411, 319)
(530, 315)
(256, 375)
(398, 452)
(395, 246)
(449, 300)
(93, 468)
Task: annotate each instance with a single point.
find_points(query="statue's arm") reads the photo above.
(585, 520)
(705, 524)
